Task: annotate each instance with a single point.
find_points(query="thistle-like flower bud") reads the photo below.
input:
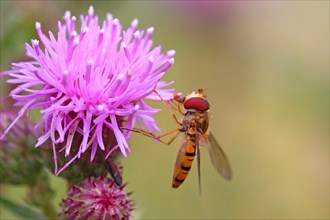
(20, 162)
(97, 198)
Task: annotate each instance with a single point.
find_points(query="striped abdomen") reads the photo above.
(184, 160)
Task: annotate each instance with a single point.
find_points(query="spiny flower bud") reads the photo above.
(20, 162)
(97, 198)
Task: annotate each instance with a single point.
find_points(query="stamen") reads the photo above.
(101, 35)
(120, 76)
(39, 31)
(169, 63)
(150, 30)
(137, 34)
(83, 33)
(91, 11)
(100, 108)
(171, 53)
(65, 78)
(38, 25)
(115, 23)
(35, 42)
(72, 131)
(88, 70)
(109, 17)
(149, 67)
(36, 47)
(73, 24)
(72, 48)
(67, 15)
(136, 43)
(124, 46)
(135, 23)
(149, 33)
(76, 41)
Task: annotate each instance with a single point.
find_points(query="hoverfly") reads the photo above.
(195, 129)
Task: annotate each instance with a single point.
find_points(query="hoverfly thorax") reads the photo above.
(195, 121)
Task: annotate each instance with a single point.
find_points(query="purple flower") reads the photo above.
(90, 81)
(97, 198)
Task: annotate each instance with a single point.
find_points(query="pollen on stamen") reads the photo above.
(124, 45)
(101, 35)
(38, 25)
(115, 21)
(135, 22)
(137, 34)
(120, 76)
(76, 41)
(73, 23)
(67, 15)
(88, 69)
(150, 30)
(171, 53)
(35, 42)
(91, 10)
(100, 107)
(136, 107)
(109, 16)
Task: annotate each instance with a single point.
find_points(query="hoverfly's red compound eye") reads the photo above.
(197, 103)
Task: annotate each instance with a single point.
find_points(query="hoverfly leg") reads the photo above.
(143, 132)
(170, 109)
(151, 135)
(174, 137)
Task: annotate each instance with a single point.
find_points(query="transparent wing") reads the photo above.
(218, 157)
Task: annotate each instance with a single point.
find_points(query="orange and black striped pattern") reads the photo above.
(184, 160)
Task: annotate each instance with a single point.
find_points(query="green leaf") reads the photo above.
(20, 210)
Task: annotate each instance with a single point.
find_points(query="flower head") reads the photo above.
(20, 162)
(90, 81)
(98, 198)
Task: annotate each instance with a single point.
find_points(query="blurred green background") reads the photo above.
(265, 68)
